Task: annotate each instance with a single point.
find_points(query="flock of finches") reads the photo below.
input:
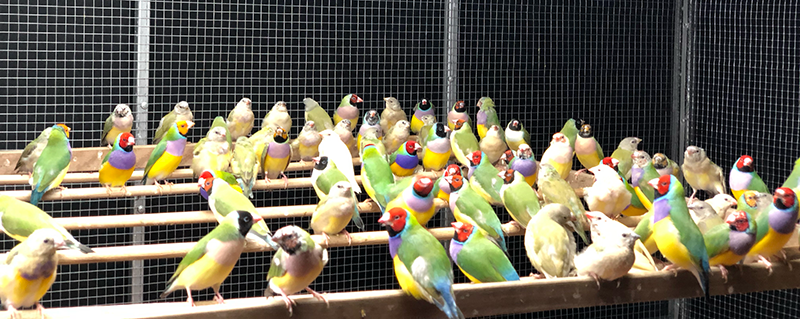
(499, 169)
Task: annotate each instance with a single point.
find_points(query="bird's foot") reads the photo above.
(160, 188)
(785, 260)
(125, 190)
(189, 298)
(63, 188)
(40, 309)
(108, 189)
(672, 268)
(691, 198)
(596, 279)
(285, 180)
(326, 237)
(368, 200)
(724, 273)
(515, 223)
(349, 239)
(218, 298)
(14, 314)
(537, 276)
(286, 300)
(318, 296)
(766, 262)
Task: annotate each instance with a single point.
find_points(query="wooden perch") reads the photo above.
(196, 217)
(178, 250)
(474, 300)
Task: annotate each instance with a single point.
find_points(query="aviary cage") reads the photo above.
(675, 73)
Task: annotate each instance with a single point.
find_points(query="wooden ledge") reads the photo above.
(474, 300)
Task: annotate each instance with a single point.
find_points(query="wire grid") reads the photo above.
(744, 100)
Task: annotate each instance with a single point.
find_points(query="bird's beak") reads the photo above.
(636, 236)
(386, 99)
(590, 214)
(256, 217)
(316, 160)
(417, 147)
(190, 124)
(384, 220)
(359, 99)
(448, 179)
(653, 183)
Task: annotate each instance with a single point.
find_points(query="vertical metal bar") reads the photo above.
(684, 26)
(677, 85)
(451, 68)
(142, 90)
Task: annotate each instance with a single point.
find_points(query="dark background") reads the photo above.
(610, 63)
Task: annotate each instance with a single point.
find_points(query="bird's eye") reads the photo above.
(246, 219)
(47, 241)
(396, 217)
(624, 235)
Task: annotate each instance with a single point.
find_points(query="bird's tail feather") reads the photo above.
(449, 306)
(36, 195)
(356, 214)
(702, 279)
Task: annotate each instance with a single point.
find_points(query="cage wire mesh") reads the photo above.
(609, 63)
(744, 100)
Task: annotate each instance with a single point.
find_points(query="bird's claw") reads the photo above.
(14, 314)
(285, 180)
(724, 273)
(349, 239)
(537, 276)
(318, 296)
(514, 223)
(766, 262)
(326, 237)
(596, 279)
(672, 268)
(218, 298)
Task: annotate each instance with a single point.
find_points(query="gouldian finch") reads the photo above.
(554, 189)
(436, 150)
(601, 226)
(704, 216)
(518, 197)
(296, 264)
(376, 174)
(324, 175)
(314, 112)
(744, 177)
(333, 213)
(479, 258)
(244, 165)
(29, 270)
(223, 199)
(420, 262)
(486, 117)
(308, 142)
(469, 207)
(391, 114)
(775, 226)
(457, 112)
(623, 154)
(219, 122)
(548, 243)
(347, 110)
(483, 178)
(570, 131)
(117, 166)
(275, 157)
(608, 193)
(610, 256)
(793, 181)
(241, 119)
(342, 128)
(120, 121)
(587, 149)
(559, 155)
(729, 242)
(167, 155)
(404, 161)
(525, 163)
(214, 153)
(224, 176)
(636, 208)
(754, 203)
(427, 122)
(643, 171)
(181, 112)
(492, 144)
(463, 141)
(337, 152)
(371, 121)
(19, 220)
(422, 108)
(664, 166)
(396, 136)
(645, 231)
(675, 234)
(32, 151)
(211, 260)
(725, 204)
(370, 136)
(278, 116)
(444, 190)
(701, 173)
(417, 199)
(52, 165)
(516, 135)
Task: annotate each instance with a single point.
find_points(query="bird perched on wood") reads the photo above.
(405, 160)
(587, 149)
(479, 258)
(241, 119)
(623, 154)
(180, 112)
(396, 136)
(493, 145)
(422, 108)
(308, 142)
(337, 152)
(347, 110)
(245, 165)
(120, 121)
(469, 207)
(516, 135)
(376, 174)
(118, 164)
(420, 262)
(32, 151)
(52, 165)
(212, 258)
(744, 177)
(213, 153)
(548, 243)
(729, 242)
(278, 116)
(701, 173)
(371, 121)
(314, 112)
(556, 190)
(346, 135)
(463, 142)
(602, 225)
(486, 117)
(295, 265)
(775, 227)
(333, 213)
(559, 155)
(167, 155)
(458, 112)
(518, 197)
(19, 220)
(608, 193)
(29, 270)
(391, 114)
(436, 148)
(275, 157)
(610, 256)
